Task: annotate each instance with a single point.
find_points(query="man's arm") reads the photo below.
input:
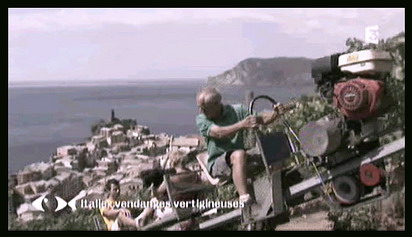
(251, 121)
(265, 118)
(142, 218)
(161, 190)
(228, 131)
(111, 213)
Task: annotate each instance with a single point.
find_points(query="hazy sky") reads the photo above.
(135, 43)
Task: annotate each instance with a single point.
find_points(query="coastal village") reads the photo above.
(81, 170)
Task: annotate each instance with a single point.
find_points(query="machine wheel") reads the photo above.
(346, 189)
(370, 175)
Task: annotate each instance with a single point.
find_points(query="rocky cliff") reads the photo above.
(266, 72)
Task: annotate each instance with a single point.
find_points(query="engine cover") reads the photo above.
(358, 98)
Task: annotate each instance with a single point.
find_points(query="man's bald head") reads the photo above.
(208, 95)
(209, 102)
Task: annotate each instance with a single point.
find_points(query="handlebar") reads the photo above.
(252, 102)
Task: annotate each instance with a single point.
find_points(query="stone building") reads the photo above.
(99, 141)
(24, 189)
(66, 150)
(116, 138)
(109, 165)
(106, 132)
(138, 130)
(27, 212)
(45, 169)
(118, 127)
(38, 187)
(184, 143)
(28, 176)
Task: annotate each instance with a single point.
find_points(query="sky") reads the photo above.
(75, 44)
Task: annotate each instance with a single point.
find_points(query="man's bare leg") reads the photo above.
(126, 221)
(238, 160)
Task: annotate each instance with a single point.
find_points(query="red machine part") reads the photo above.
(370, 175)
(358, 98)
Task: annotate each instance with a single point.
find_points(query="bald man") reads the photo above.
(221, 125)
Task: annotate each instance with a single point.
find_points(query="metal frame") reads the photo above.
(306, 185)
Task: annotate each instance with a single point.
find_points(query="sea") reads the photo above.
(44, 116)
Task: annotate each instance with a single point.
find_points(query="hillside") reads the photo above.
(266, 72)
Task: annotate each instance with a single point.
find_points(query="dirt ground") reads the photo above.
(315, 221)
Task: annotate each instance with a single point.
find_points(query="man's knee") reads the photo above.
(120, 219)
(238, 157)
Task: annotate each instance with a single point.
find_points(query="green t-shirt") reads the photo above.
(216, 147)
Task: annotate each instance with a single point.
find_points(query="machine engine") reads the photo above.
(355, 84)
(358, 98)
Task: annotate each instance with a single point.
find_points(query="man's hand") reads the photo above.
(140, 221)
(125, 212)
(250, 121)
(266, 118)
(279, 109)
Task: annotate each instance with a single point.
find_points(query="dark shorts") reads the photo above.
(222, 167)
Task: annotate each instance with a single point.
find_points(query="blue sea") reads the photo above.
(42, 117)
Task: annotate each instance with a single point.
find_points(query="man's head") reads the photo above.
(113, 188)
(209, 102)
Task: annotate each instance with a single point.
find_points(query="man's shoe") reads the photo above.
(246, 199)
